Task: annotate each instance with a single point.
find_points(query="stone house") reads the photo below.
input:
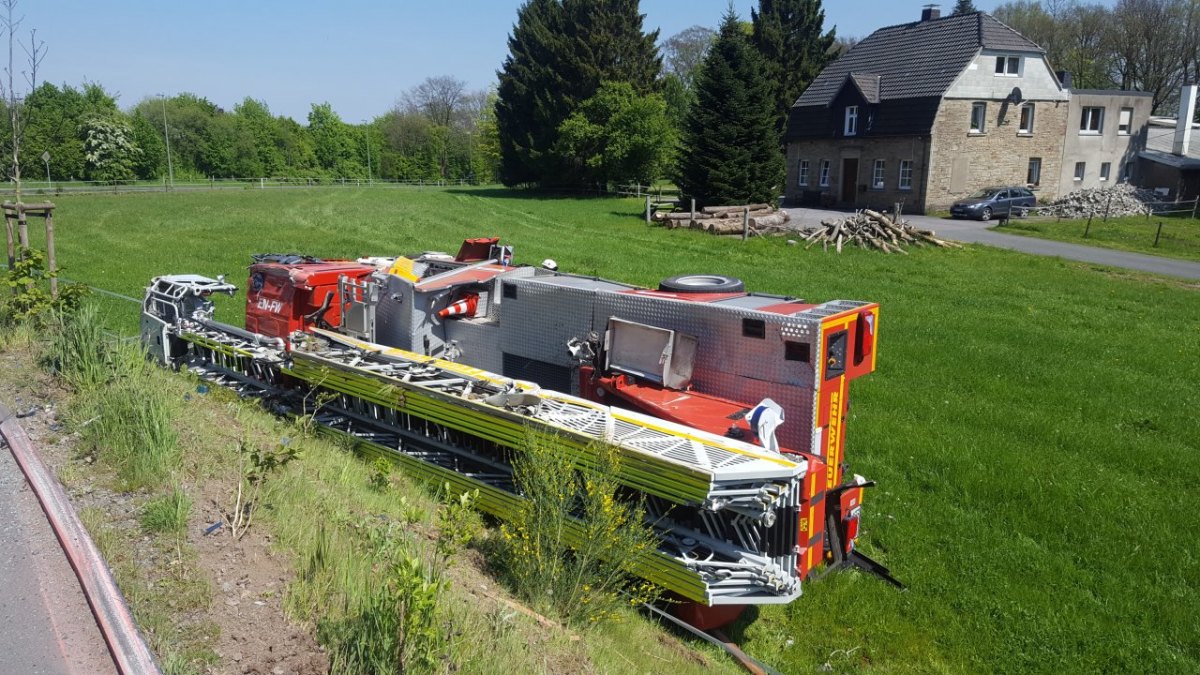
(924, 113)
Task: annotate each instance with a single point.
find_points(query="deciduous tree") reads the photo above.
(618, 136)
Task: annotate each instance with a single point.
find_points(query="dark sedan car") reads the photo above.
(1001, 202)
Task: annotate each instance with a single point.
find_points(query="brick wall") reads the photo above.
(962, 162)
(866, 150)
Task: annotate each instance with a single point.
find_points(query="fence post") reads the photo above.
(51, 262)
(1158, 234)
(1108, 205)
(692, 220)
(647, 209)
(1195, 203)
(1089, 225)
(745, 223)
(262, 183)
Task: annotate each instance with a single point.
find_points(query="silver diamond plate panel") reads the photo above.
(729, 364)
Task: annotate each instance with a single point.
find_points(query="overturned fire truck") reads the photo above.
(728, 408)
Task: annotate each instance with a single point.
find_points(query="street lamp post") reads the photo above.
(367, 132)
(167, 136)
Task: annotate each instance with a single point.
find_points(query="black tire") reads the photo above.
(702, 283)
(986, 214)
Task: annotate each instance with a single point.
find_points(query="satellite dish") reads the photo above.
(1015, 95)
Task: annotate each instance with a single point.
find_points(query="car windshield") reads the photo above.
(986, 193)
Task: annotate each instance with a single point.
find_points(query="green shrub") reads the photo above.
(572, 545)
(168, 513)
(25, 290)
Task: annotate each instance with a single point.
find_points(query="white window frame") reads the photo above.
(850, 123)
(1091, 121)
(1105, 170)
(1008, 66)
(1080, 170)
(982, 128)
(879, 174)
(1034, 171)
(802, 173)
(904, 182)
(1022, 128)
(824, 177)
(1125, 122)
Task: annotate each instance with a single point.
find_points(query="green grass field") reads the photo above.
(1032, 424)
(1180, 237)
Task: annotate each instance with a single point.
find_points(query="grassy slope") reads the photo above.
(1180, 236)
(1031, 424)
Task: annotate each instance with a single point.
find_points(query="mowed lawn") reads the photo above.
(1032, 425)
(1179, 237)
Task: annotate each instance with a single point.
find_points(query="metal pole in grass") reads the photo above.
(167, 138)
(1108, 206)
(647, 209)
(1195, 203)
(745, 223)
(1158, 234)
(1089, 225)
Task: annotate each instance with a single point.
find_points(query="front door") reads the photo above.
(849, 179)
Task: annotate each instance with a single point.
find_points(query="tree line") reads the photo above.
(1142, 45)
(437, 130)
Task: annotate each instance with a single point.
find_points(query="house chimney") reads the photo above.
(1183, 126)
(931, 12)
(1065, 78)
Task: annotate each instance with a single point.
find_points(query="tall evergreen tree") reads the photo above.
(964, 7)
(789, 36)
(730, 151)
(605, 43)
(560, 53)
(529, 108)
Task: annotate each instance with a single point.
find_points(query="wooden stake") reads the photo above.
(1158, 234)
(51, 264)
(8, 231)
(23, 226)
(746, 223)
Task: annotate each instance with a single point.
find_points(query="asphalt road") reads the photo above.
(46, 627)
(975, 232)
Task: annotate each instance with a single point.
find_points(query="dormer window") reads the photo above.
(1008, 66)
(851, 125)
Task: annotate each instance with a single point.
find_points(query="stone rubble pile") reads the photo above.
(1119, 200)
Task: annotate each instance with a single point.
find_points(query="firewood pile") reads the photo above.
(761, 219)
(871, 229)
(1119, 200)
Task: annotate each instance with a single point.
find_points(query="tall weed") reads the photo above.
(78, 351)
(393, 624)
(129, 422)
(572, 545)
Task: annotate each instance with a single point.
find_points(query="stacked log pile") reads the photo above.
(871, 229)
(1119, 200)
(763, 218)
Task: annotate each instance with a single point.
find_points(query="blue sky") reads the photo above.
(356, 54)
